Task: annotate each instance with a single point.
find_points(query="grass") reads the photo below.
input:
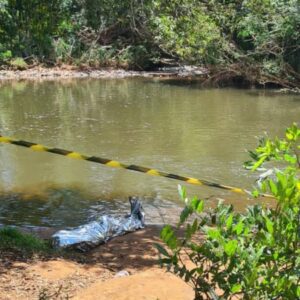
(13, 239)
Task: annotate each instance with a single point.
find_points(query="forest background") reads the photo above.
(252, 41)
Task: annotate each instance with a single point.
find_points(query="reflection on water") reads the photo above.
(172, 127)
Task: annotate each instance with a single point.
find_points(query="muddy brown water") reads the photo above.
(169, 125)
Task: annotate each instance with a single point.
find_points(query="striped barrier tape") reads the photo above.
(116, 164)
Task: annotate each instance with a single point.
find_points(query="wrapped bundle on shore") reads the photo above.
(100, 231)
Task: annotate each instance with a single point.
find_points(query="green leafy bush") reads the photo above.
(186, 32)
(5, 55)
(255, 254)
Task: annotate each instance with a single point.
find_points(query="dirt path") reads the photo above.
(124, 268)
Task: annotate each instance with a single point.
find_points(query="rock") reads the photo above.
(122, 273)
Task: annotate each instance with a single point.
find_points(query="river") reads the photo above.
(170, 125)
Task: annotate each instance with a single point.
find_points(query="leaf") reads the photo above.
(281, 179)
(269, 225)
(253, 155)
(273, 187)
(239, 227)
(188, 232)
(259, 253)
(229, 221)
(161, 250)
(214, 234)
(230, 247)
(255, 193)
(276, 255)
(236, 288)
(168, 236)
(259, 162)
(244, 33)
(191, 229)
(289, 136)
(298, 291)
(184, 215)
(248, 165)
(200, 207)
(197, 205)
(289, 158)
(182, 192)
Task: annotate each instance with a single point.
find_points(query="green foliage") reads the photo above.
(186, 31)
(254, 254)
(271, 31)
(12, 239)
(27, 27)
(62, 50)
(257, 39)
(18, 63)
(134, 56)
(5, 56)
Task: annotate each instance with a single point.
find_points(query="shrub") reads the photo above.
(255, 254)
(62, 51)
(5, 55)
(18, 63)
(187, 33)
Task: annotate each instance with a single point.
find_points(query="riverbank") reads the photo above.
(124, 268)
(201, 75)
(40, 73)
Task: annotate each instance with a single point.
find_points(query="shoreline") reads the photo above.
(69, 72)
(203, 76)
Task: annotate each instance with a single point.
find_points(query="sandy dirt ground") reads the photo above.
(124, 268)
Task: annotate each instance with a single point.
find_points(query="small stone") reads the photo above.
(122, 273)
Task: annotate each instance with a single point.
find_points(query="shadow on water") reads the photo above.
(254, 92)
(199, 83)
(61, 207)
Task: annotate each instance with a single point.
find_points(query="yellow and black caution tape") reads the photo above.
(116, 164)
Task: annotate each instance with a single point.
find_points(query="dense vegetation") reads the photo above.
(256, 254)
(252, 40)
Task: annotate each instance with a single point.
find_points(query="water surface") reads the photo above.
(174, 127)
